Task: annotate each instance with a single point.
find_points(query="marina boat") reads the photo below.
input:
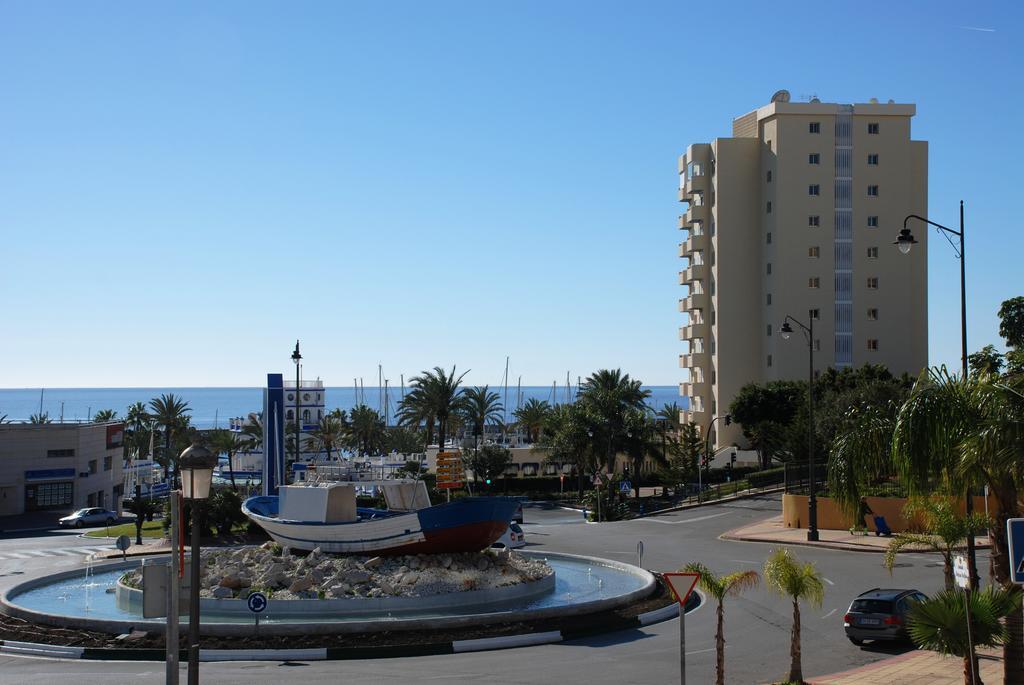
(325, 515)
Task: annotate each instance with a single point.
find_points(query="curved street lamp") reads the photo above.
(196, 466)
(707, 454)
(297, 359)
(786, 331)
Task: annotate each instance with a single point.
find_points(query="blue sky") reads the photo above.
(185, 188)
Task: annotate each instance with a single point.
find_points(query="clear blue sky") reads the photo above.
(186, 188)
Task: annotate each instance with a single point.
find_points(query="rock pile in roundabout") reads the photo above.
(275, 571)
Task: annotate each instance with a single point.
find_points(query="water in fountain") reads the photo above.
(88, 585)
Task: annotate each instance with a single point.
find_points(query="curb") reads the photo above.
(342, 653)
(838, 546)
(707, 503)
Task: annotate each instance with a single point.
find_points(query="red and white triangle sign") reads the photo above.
(682, 585)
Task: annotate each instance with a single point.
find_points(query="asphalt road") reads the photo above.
(757, 624)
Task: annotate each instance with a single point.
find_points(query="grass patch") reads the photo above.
(150, 529)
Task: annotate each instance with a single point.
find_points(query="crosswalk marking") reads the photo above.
(62, 551)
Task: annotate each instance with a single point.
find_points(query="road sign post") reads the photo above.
(1015, 538)
(962, 575)
(682, 585)
(123, 542)
(257, 602)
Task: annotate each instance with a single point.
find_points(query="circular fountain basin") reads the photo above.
(580, 585)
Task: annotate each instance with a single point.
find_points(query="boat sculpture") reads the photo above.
(325, 516)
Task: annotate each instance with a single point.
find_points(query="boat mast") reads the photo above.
(380, 389)
(504, 406)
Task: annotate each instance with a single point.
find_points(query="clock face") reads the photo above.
(305, 396)
(291, 396)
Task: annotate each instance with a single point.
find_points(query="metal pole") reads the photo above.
(193, 607)
(970, 639)
(682, 644)
(972, 561)
(173, 587)
(812, 500)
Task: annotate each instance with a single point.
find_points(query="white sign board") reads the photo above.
(961, 573)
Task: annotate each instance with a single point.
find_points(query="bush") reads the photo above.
(760, 479)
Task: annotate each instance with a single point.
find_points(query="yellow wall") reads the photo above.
(794, 512)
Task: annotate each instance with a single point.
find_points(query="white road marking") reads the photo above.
(829, 614)
(831, 583)
(675, 523)
(745, 561)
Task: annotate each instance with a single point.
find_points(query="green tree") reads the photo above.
(531, 417)
(328, 435)
(945, 532)
(788, 577)
(1011, 321)
(104, 415)
(434, 396)
(171, 413)
(566, 438)
(40, 418)
(642, 442)
(415, 410)
(480, 406)
(940, 623)
(985, 360)
(685, 453)
(720, 587)
(765, 412)
(225, 442)
(606, 396)
(252, 433)
(366, 431)
(405, 440)
(487, 462)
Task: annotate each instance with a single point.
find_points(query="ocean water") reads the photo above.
(212, 407)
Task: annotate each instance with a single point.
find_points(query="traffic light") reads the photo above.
(488, 481)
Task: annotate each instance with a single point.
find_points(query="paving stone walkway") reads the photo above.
(917, 668)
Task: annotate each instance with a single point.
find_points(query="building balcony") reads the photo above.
(695, 360)
(697, 329)
(696, 212)
(693, 243)
(694, 389)
(694, 272)
(694, 301)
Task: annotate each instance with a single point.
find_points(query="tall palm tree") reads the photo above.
(366, 430)
(945, 532)
(608, 395)
(104, 415)
(225, 442)
(328, 435)
(940, 623)
(170, 413)
(566, 439)
(415, 410)
(787, 576)
(252, 433)
(720, 587)
(643, 441)
(42, 417)
(531, 416)
(481, 406)
(440, 397)
(670, 414)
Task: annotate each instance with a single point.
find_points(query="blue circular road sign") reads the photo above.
(257, 602)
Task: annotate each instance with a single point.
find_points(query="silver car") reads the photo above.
(90, 516)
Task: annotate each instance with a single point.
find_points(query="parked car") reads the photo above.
(512, 539)
(91, 516)
(880, 614)
(518, 516)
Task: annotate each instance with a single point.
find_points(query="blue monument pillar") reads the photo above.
(273, 434)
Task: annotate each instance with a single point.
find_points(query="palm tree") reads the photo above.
(945, 532)
(481, 406)
(366, 431)
(252, 433)
(439, 397)
(787, 576)
(940, 623)
(566, 439)
(721, 587)
(225, 442)
(531, 416)
(328, 435)
(43, 417)
(670, 414)
(643, 441)
(171, 413)
(104, 415)
(608, 395)
(415, 410)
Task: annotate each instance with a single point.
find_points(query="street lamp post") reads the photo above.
(905, 241)
(196, 465)
(297, 358)
(707, 454)
(812, 499)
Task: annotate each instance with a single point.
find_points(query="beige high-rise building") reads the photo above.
(796, 215)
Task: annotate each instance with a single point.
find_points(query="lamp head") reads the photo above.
(905, 241)
(296, 357)
(196, 465)
(786, 330)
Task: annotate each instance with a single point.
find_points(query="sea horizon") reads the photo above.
(212, 406)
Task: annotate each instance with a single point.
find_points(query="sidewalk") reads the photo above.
(773, 530)
(918, 668)
(154, 546)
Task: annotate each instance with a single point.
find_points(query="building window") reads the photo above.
(872, 253)
(712, 347)
(872, 160)
(873, 283)
(768, 238)
(769, 268)
(872, 191)
(814, 189)
(872, 343)
(873, 128)
(814, 251)
(814, 158)
(872, 222)
(768, 176)
(305, 416)
(769, 360)
(768, 329)
(768, 299)
(815, 313)
(712, 317)
(815, 127)
(92, 466)
(769, 144)
(873, 314)
(814, 282)
(289, 415)
(58, 454)
(714, 378)
(108, 463)
(768, 207)
(814, 220)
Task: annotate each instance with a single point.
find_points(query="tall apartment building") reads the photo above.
(796, 215)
